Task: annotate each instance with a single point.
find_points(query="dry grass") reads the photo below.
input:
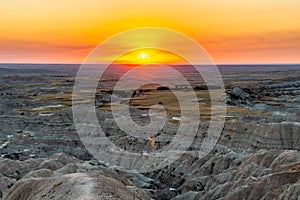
(165, 97)
(168, 99)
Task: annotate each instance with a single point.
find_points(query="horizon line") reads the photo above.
(77, 63)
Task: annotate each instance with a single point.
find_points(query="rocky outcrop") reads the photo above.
(236, 96)
(243, 157)
(266, 174)
(291, 192)
(13, 170)
(63, 177)
(49, 134)
(278, 99)
(74, 186)
(241, 137)
(101, 99)
(283, 85)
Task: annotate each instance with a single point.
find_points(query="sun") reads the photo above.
(143, 56)
(149, 56)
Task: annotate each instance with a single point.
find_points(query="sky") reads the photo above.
(231, 31)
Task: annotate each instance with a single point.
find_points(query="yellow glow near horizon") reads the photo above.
(232, 31)
(149, 56)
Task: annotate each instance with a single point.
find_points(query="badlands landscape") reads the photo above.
(256, 157)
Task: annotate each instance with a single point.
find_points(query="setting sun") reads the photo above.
(143, 57)
(149, 56)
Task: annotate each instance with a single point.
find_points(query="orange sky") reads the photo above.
(232, 31)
